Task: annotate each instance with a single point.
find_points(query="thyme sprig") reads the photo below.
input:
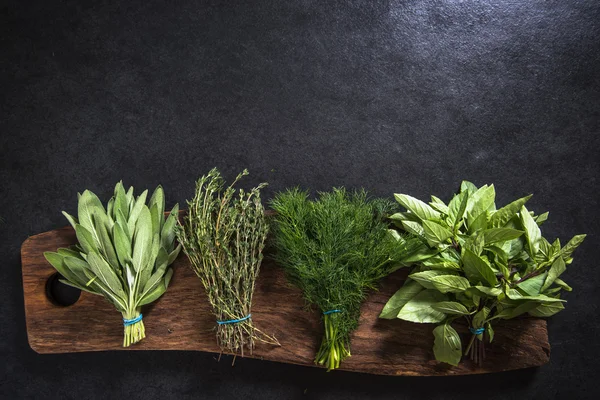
(223, 235)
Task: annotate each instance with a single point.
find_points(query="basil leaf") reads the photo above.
(484, 291)
(506, 213)
(479, 223)
(495, 235)
(482, 200)
(451, 308)
(467, 186)
(413, 227)
(563, 284)
(450, 283)
(477, 269)
(438, 205)
(532, 231)
(447, 347)
(418, 309)
(393, 306)
(457, 207)
(425, 277)
(435, 233)
(533, 286)
(546, 310)
(417, 207)
(572, 245)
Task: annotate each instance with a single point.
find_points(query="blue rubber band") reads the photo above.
(477, 331)
(127, 322)
(234, 321)
(331, 312)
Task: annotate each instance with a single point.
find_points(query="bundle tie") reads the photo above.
(127, 322)
(234, 321)
(477, 331)
(331, 312)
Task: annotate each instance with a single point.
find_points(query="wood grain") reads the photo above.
(181, 320)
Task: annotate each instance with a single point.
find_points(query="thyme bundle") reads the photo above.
(335, 249)
(224, 235)
(123, 252)
(481, 264)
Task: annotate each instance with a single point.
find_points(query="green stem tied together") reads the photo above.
(134, 330)
(335, 347)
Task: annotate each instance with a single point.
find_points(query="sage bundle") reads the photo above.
(335, 249)
(482, 264)
(123, 252)
(223, 235)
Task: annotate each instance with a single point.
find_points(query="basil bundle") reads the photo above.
(123, 253)
(481, 263)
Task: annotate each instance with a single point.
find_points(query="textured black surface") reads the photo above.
(406, 96)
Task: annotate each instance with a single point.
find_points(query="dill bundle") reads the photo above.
(335, 249)
(224, 235)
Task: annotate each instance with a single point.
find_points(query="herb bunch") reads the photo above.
(335, 249)
(123, 254)
(481, 263)
(223, 234)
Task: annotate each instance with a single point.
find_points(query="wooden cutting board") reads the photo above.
(181, 320)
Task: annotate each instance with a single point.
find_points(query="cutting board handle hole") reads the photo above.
(59, 293)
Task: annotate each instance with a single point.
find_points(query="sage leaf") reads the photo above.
(142, 239)
(71, 219)
(158, 198)
(122, 245)
(168, 230)
(135, 211)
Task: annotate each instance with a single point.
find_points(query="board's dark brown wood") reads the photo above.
(181, 320)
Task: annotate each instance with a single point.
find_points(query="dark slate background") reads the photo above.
(395, 96)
